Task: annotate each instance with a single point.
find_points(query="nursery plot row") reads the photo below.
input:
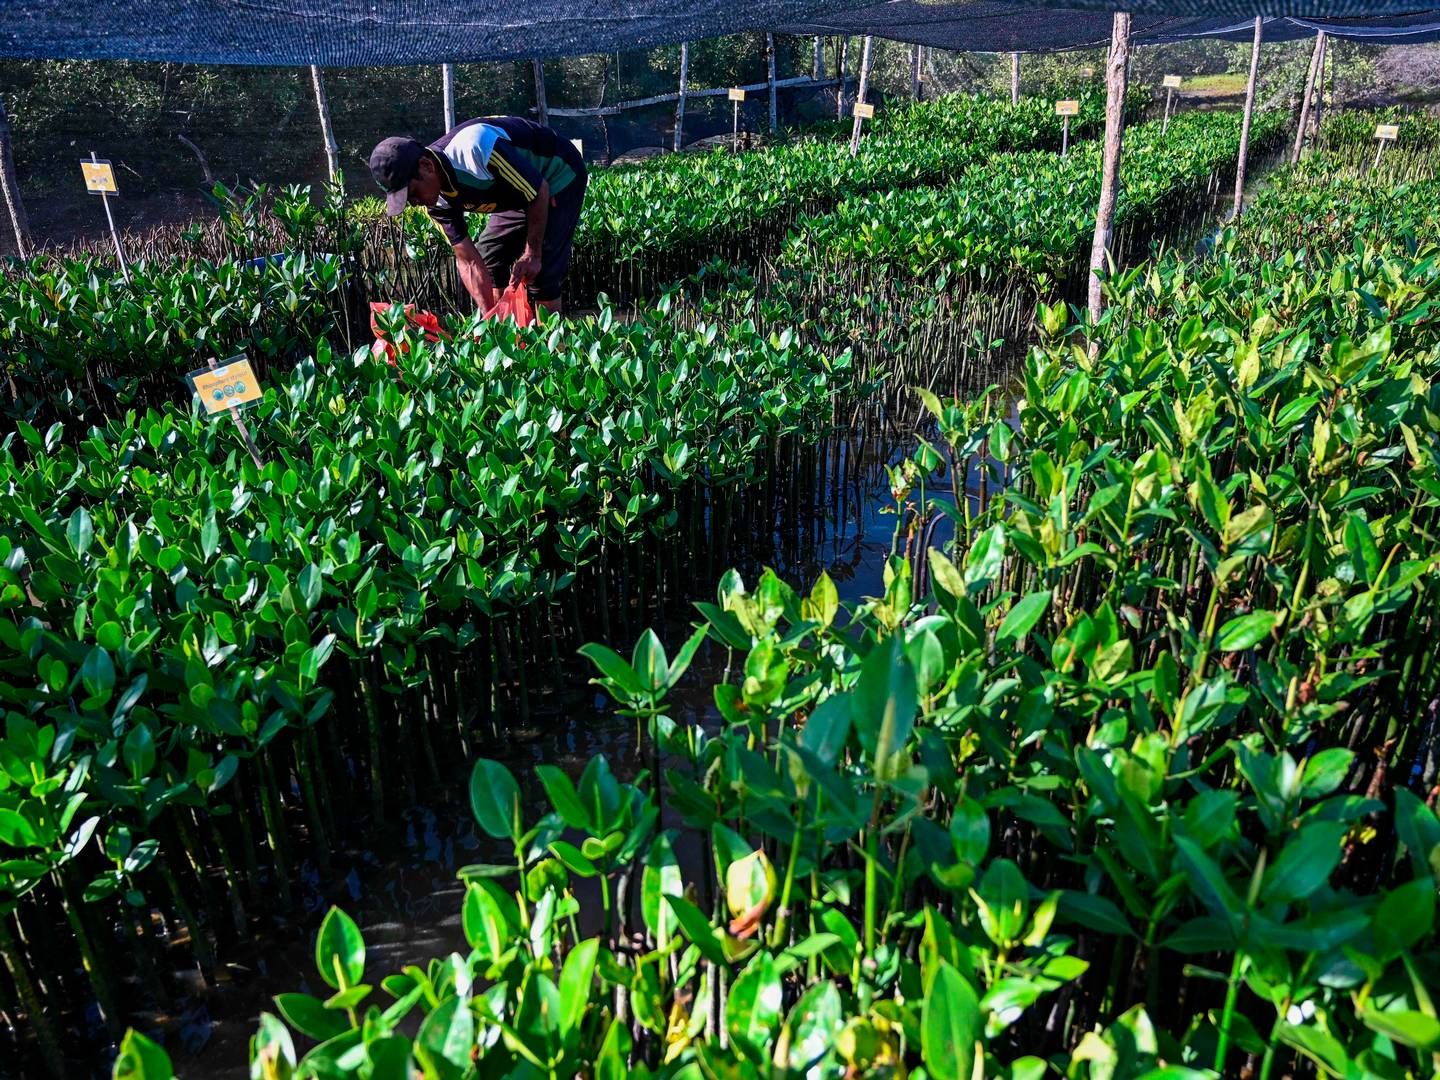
(1117, 784)
(1348, 139)
(77, 337)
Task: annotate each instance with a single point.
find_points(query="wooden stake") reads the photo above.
(1014, 78)
(447, 93)
(114, 234)
(1305, 101)
(1116, 68)
(770, 78)
(1319, 105)
(1169, 100)
(10, 188)
(861, 92)
(914, 72)
(1245, 122)
(542, 110)
(842, 48)
(322, 106)
(680, 101)
(817, 61)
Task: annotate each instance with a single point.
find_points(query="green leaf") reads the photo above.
(813, 1025)
(444, 1040)
(495, 800)
(1406, 1026)
(142, 1059)
(1305, 862)
(884, 701)
(340, 951)
(613, 667)
(1325, 772)
(698, 929)
(573, 859)
(575, 984)
(1319, 1046)
(1093, 912)
(1207, 881)
(1022, 617)
(310, 1017)
(752, 1011)
(985, 559)
(827, 728)
(950, 1024)
(563, 797)
(484, 923)
(660, 878)
(1247, 631)
(80, 532)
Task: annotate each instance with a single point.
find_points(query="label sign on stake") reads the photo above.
(1171, 82)
(863, 111)
(1067, 108)
(1088, 72)
(1387, 131)
(226, 386)
(99, 177)
(737, 95)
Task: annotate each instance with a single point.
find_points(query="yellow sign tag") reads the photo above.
(1067, 108)
(863, 111)
(737, 95)
(1089, 73)
(99, 177)
(226, 386)
(1172, 82)
(1387, 131)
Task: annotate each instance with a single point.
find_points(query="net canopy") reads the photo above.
(985, 26)
(353, 33)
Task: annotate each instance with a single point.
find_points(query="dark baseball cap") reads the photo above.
(393, 163)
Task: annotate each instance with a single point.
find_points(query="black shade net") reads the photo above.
(353, 33)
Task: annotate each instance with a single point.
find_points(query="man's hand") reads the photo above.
(526, 268)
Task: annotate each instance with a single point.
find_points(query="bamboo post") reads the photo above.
(861, 92)
(1305, 101)
(10, 188)
(680, 101)
(842, 47)
(1116, 68)
(1169, 101)
(542, 109)
(770, 78)
(817, 60)
(1245, 121)
(1014, 78)
(447, 93)
(322, 106)
(914, 72)
(1319, 105)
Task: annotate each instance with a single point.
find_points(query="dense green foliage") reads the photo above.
(1105, 789)
(1099, 746)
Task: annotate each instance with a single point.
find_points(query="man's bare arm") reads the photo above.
(474, 275)
(537, 213)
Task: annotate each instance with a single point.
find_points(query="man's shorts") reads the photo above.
(504, 239)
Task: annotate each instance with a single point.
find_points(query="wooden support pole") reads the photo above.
(861, 92)
(1014, 78)
(10, 188)
(842, 47)
(914, 72)
(770, 79)
(447, 93)
(542, 111)
(327, 132)
(1245, 121)
(1319, 105)
(1116, 69)
(680, 101)
(1305, 101)
(817, 61)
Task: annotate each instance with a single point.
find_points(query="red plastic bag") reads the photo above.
(425, 321)
(514, 303)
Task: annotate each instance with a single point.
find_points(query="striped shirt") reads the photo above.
(496, 164)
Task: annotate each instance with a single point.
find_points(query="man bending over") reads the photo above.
(527, 178)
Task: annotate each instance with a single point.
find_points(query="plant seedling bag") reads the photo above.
(425, 321)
